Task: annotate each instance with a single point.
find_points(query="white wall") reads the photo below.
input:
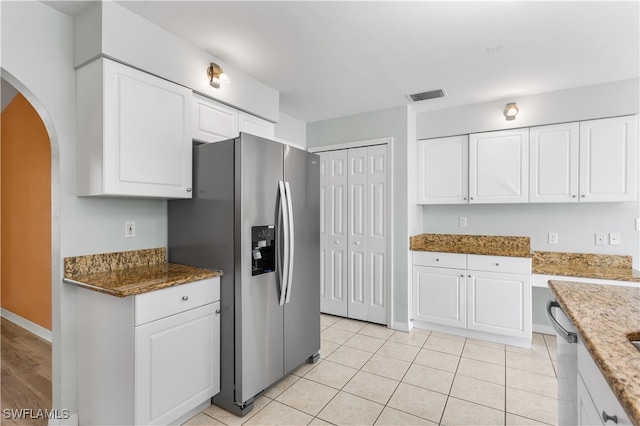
(106, 28)
(37, 59)
(291, 129)
(375, 125)
(576, 224)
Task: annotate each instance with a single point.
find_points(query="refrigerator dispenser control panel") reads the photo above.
(263, 249)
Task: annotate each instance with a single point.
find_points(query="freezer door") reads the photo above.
(258, 315)
(302, 312)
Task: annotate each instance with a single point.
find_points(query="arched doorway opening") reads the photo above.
(30, 249)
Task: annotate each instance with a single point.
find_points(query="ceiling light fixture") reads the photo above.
(216, 75)
(510, 111)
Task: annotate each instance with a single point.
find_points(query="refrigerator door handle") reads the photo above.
(291, 241)
(284, 270)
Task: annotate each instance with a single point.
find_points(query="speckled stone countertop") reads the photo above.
(602, 266)
(472, 244)
(605, 317)
(129, 273)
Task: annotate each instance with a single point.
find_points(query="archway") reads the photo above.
(29, 101)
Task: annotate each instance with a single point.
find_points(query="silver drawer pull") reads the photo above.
(497, 264)
(437, 260)
(185, 298)
(217, 311)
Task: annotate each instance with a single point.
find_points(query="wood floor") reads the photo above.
(26, 376)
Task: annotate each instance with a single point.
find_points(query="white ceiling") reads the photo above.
(337, 58)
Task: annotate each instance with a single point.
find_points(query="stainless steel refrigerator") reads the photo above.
(255, 214)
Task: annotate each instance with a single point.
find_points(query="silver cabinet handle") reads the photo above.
(337, 242)
(217, 311)
(357, 243)
(583, 196)
(437, 260)
(188, 189)
(497, 264)
(606, 417)
(185, 298)
(568, 336)
(574, 196)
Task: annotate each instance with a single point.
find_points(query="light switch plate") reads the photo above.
(601, 240)
(130, 229)
(553, 238)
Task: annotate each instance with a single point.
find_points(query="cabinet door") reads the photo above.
(443, 170)
(499, 303)
(256, 126)
(213, 121)
(147, 135)
(177, 364)
(334, 237)
(499, 167)
(587, 411)
(439, 295)
(608, 151)
(553, 163)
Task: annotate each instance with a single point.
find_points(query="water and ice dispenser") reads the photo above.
(263, 249)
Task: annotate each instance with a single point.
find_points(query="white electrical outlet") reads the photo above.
(130, 229)
(614, 239)
(601, 240)
(553, 238)
(462, 222)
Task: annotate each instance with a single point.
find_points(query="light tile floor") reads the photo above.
(368, 374)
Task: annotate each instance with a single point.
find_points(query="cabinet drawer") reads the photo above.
(438, 259)
(170, 301)
(598, 388)
(513, 265)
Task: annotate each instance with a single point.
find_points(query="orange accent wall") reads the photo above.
(25, 183)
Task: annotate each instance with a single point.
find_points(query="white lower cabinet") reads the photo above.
(597, 404)
(485, 294)
(499, 303)
(174, 369)
(148, 359)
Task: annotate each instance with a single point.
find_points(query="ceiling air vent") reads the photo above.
(433, 94)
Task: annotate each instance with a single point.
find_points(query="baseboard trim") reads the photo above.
(34, 328)
(400, 326)
(543, 329)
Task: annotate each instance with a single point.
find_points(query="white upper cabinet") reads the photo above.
(499, 167)
(256, 126)
(134, 133)
(213, 121)
(553, 170)
(443, 170)
(608, 156)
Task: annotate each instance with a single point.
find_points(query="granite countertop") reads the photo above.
(129, 273)
(600, 266)
(472, 244)
(605, 317)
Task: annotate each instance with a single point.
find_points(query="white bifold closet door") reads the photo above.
(354, 231)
